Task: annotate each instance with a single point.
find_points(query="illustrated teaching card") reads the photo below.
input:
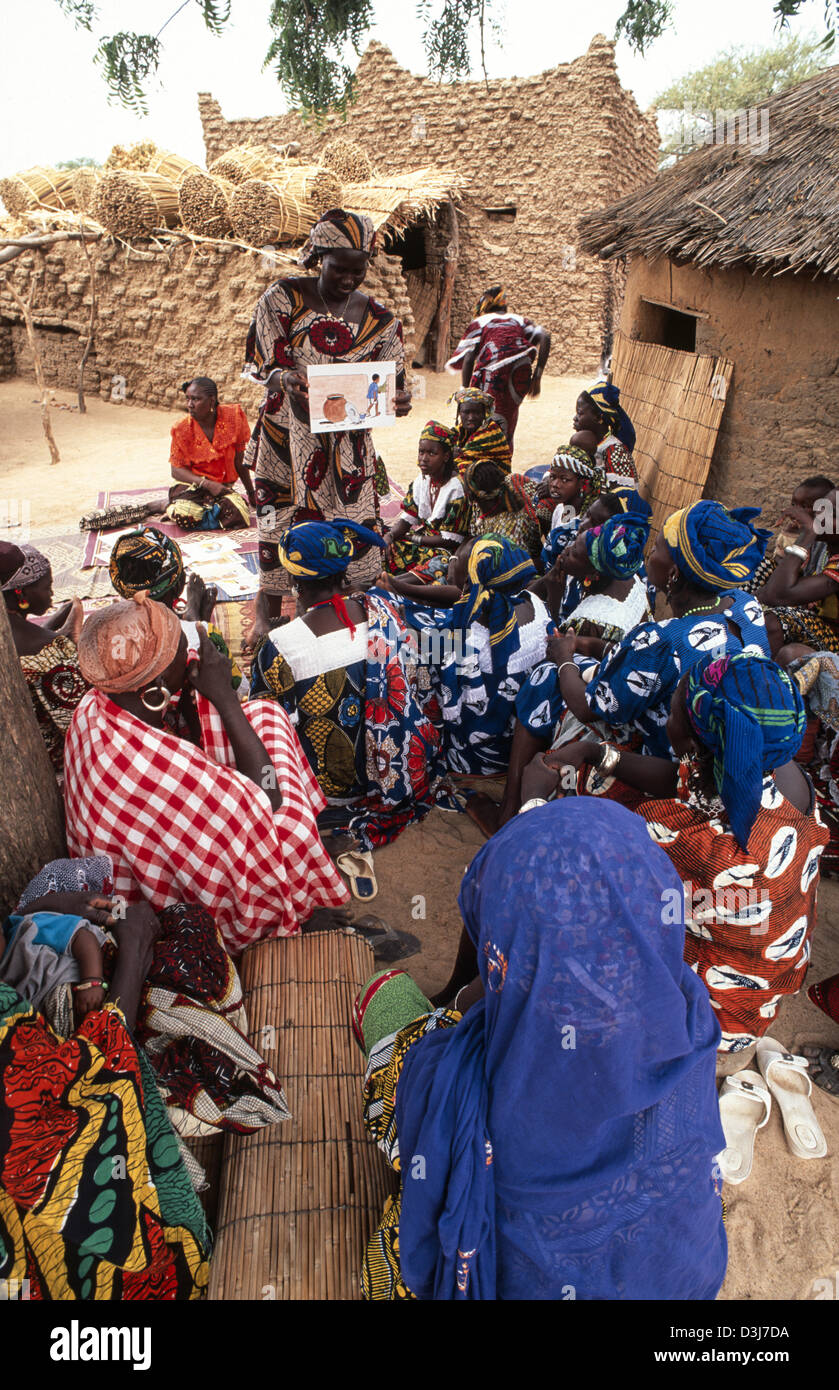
(351, 396)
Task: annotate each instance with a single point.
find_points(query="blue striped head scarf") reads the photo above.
(713, 547)
(318, 549)
(617, 547)
(750, 714)
(498, 572)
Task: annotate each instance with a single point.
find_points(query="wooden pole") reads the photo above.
(25, 307)
(90, 322)
(32, 828)
(444, 311)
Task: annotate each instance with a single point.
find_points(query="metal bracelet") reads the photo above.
(798, 551)
(534, 801)
(609, 760)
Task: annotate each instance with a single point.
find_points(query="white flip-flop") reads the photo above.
(786, 1076)
(358, 866)
(745, 1106)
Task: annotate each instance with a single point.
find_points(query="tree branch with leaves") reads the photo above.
(309, 42)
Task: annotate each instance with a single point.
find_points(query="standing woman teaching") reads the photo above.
(303, 322)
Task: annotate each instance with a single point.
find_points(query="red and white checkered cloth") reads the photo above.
(182, 825)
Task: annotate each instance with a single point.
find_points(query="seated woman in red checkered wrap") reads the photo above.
(195, 797)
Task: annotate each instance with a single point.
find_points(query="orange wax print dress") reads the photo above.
(749, 914)
(213, 458)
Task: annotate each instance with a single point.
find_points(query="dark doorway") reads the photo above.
(660, 323)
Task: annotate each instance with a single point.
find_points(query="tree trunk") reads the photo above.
(32, 828)
(444, 312)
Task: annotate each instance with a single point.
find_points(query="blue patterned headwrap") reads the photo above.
(749, 712)
(713, 547)
(606, 398)
(318, 549)
(617, 547)
(558, 539)
(498, 572)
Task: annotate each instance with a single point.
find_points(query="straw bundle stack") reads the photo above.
(85, 183)
(52, 187)
(286, 207)
(172, 166)
(131, 204)
(347, 159)
(299, 1200)
(204, 203)
(246, 162)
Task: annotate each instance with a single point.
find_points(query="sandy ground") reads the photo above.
(783, 1225)
(783, 1222)
(124, 446)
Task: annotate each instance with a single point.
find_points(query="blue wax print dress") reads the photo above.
(632, 688)
(477, 697)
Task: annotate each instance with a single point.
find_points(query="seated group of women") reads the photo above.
(465, 486)
(363, 709)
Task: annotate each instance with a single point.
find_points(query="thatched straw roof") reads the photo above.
(772, 206)
(398, 199)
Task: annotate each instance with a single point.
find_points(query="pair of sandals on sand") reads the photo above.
(746, 1104)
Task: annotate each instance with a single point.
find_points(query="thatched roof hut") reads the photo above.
(768, 200)
(733, 253)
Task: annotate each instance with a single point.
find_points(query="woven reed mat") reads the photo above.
(675, 401)
(300, 1199)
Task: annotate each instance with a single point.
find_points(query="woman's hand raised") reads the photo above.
(212, 674)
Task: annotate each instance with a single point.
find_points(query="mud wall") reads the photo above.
(161, 317)
(782, 333)
(537, 153)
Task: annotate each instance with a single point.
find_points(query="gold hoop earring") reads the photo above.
(166, 696)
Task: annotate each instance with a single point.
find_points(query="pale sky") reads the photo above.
(53, 102)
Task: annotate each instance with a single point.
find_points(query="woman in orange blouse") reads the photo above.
(209, 446)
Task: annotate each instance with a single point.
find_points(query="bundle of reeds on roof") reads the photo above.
(41, 184)
(347, 159)
(85, 183)
(172, 166)
(204, 203)
(132, 204)
(285, 207)
(247, 162)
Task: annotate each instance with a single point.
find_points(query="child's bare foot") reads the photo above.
(200, 600)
